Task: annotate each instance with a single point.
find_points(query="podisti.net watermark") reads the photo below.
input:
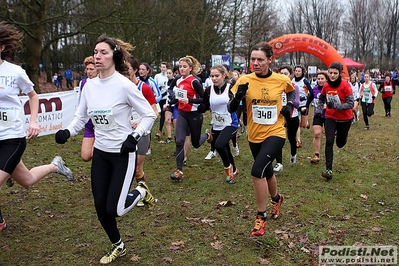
(358, 255)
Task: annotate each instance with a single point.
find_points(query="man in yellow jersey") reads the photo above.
(262, 92)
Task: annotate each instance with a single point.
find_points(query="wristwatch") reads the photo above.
(136, 136)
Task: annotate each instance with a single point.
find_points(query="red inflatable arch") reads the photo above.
(308, 44)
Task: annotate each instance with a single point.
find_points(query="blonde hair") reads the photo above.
(192, 62)
(88, 60)
(222, 69)
(353, 76)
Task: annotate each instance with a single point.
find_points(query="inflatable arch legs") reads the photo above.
(308, 44)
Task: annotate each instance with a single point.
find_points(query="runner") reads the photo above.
(262, 92)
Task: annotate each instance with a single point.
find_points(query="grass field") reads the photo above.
(54, 222)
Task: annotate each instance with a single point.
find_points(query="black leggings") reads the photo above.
(332, 128)
(368, 110)
(188, 122)
(242, 110)
(111, 177)
(222, 145)
(264, 153)
(292, 128)
(162, 113)
(387, 104)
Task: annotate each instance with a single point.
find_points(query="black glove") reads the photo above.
(129, 145)
(303, 98)
(330, 105)
(241, 91)
(373, 97)
(286, 110)
(62, 136)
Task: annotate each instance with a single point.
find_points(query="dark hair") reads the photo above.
(148, 68)
(265, 47)
(338, 66)
(11, 38)
(289, 68)
(302, 68)
(121, 51)
(133, 62)
(165, 63)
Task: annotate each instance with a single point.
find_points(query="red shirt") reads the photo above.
(343, 91)
(387, 90)
(186, 84)
(146, 91)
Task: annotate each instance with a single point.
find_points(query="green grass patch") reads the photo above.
(54, 222)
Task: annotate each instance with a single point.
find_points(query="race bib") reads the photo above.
(221, 119)
(388, 88)
(367, 94)
(179, 93)
(333, 99)
(284, 98)
(264, 115)
(103, 119)
(8, 116)
(135, 116)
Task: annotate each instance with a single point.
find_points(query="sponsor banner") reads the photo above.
(359, 255)
(56, 111)
(222, 60)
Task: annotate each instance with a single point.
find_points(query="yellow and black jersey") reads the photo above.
(264, 102)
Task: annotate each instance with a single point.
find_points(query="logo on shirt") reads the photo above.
(265, 98)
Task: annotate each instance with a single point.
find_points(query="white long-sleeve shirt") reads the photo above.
(109, 102)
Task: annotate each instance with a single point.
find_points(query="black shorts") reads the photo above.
(319, 121)
(11, 151)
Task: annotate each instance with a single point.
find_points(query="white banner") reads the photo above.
(56, 111)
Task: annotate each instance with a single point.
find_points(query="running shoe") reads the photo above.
(159, 134)
(148, 151)
(367, 128)
(242, 129)
(3, 225)
(231, 179)
(327, 174)
(315, 159)
(293, 160)
(177, 176)
(236, 151)
(168, 140)
(62, 169)
(275, 212)
(148, 198)
(10, 182)
(113, 254)
(185, 161)
(259, 227)
(299, 144)
(278, 167)
(140, 203)
(210, 155)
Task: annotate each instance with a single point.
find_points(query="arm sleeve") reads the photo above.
(172, 99)
(205, 105)
(291, 97)
(310, 98)
(199, 89)
(320, 103)
(348, 104)
(375, 90)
